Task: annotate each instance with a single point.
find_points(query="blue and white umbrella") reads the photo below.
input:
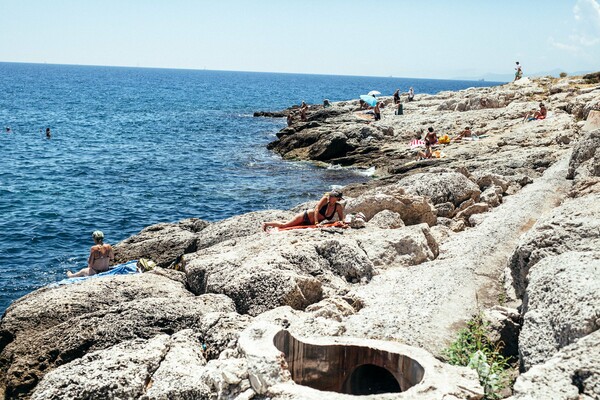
(370, 100)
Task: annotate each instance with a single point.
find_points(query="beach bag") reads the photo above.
(356, 221)
(145, 265)
(444, 139)
(178, 264)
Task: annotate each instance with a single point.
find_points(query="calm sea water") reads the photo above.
(132, 147)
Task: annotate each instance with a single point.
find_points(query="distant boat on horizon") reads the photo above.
(482, 80)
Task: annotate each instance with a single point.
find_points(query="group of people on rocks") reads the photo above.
(302, 111)
(430, 139)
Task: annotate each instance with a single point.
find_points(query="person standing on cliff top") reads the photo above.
(518, 72)
(411, 94)
(100, 256)
(397, 96)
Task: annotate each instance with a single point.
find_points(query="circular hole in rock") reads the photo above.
(348, 369)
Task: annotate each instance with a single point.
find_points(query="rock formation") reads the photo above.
(493, 227)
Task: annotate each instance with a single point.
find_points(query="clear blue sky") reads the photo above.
(418, 38)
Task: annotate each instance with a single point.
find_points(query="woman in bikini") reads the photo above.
(100, 256)
(326, 209)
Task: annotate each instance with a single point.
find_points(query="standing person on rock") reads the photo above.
(397, 96)
(518, 72)
(377, 110)
(326, 209)
(411, 94)
(100, 256)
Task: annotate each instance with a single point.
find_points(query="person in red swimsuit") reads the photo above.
(100, 256)
(326, 209)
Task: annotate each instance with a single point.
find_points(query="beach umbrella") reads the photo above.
(374, 93)
(370, 100)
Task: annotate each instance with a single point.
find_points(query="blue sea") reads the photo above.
(132, 147)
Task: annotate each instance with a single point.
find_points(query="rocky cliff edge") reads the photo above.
(506, 225)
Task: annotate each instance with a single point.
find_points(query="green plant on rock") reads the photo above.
(563, 75)
(473, 348)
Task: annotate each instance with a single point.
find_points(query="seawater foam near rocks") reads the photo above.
(494, 227)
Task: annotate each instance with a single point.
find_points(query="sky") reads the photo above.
(416, 39)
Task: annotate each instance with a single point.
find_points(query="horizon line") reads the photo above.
(244, 71)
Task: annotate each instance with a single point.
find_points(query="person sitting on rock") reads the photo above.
(363, 105)
(290, 119)
(464, 134)
(431, 136)
(100, 256)
(425, 155)
(326, 209)
(326, 103)
(537, 114)
(542, 113)
(303, 109)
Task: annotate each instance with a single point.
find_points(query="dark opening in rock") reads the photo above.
(370, 379)
(348, 369)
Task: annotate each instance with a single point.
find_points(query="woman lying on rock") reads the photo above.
(100, 256)
(326, 209)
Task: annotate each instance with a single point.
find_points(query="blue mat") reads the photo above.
(119, 269)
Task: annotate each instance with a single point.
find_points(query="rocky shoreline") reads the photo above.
(506, 227)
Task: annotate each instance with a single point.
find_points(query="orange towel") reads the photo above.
(336, 224)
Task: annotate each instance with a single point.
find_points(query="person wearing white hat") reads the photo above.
(101, 254)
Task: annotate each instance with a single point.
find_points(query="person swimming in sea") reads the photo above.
(48, 134)
(101, 254)
(326, 209)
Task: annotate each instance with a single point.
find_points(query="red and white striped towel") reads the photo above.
(416, 143)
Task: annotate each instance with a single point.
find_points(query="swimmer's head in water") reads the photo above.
(98, 235)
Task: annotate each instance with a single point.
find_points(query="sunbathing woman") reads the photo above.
(326, 209)
(100, 256)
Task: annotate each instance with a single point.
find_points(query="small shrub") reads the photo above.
(563, 75)
(473, 348)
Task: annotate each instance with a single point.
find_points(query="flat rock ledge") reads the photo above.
(505, 226)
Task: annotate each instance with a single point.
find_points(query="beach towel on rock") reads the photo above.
(120, 269)
(416, 143)
(337, 224)
(362, 115)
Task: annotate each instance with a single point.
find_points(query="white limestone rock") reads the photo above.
(571, 374)
(561, 304)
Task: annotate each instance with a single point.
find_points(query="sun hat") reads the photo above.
(98, 235)
(336, 193)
